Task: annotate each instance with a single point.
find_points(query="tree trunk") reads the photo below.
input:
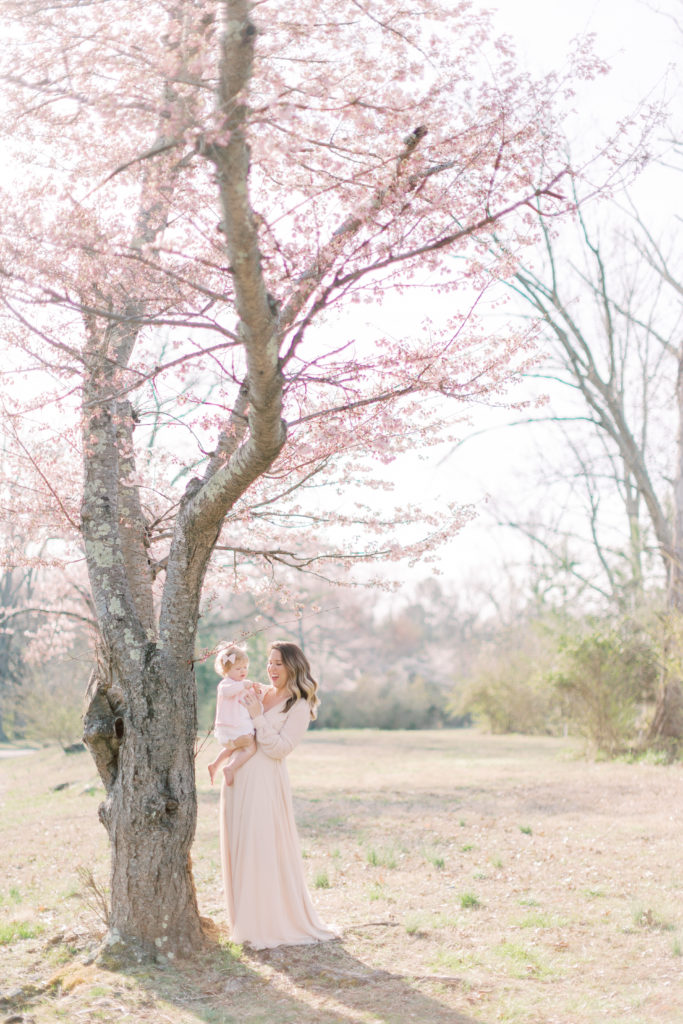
(676, 570)
(667, 724)
(143, 745)
(666, 729)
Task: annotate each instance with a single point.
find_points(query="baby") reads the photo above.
(233, 726)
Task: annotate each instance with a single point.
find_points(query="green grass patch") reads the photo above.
(526, 829)
(61, 954)
(13, 896)
(652, 919)
(449, 960)
(233, 949)
(15, 931)
(379, 858)
(524, 962)
(469, 900)
(436, 922)
(413, 924)
(419, 923)
(97, 991)
(321, 880)
(539, 919)
(594, 894)
(436, 861)
(443, 921)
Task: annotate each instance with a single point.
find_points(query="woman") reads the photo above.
(263, 878)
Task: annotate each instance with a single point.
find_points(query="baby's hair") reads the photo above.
(229, 656)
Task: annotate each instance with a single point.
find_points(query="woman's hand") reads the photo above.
(252, 703)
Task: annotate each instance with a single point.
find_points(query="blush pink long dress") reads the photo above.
(267, 899)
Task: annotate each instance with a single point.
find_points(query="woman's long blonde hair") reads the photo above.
(299, 678)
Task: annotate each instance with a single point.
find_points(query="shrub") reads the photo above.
(51, 707)
(391, 702)
(508, 690)
(604, 678)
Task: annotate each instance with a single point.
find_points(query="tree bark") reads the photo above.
(143, 746)
(141, 721)
(666, 728)
(676, 571)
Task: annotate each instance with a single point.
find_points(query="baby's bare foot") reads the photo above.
(229, 775)
(212, 771)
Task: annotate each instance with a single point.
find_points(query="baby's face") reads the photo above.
(239, 670)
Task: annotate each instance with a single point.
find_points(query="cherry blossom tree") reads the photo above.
(200, 197)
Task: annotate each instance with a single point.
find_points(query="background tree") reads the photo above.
(610, 308)
(42, 614)
(15, 592)
(240, 182)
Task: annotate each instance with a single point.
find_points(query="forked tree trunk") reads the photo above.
(141, 721)
(141, 732)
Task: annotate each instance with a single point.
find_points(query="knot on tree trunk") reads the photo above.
(160, 809)
(104, 728)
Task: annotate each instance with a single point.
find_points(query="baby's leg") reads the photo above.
(218, 761)
(239, 758)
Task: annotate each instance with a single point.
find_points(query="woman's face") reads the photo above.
(277, 673)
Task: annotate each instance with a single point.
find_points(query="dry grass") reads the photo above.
(475, 879)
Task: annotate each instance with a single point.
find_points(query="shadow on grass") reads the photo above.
(318, 984)
(332, 974)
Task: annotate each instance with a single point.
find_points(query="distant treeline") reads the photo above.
(389, 704)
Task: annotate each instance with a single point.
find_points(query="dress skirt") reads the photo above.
(267, 899)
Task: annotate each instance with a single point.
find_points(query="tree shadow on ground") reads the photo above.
(323, 983)
(317, 984)
(332, 973)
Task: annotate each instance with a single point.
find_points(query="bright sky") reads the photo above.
(630, 36)
(642, 47)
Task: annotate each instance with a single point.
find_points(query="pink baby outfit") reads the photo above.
(233, 727)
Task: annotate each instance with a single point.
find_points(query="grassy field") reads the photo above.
(474, 879)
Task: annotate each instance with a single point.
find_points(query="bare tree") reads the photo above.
(613, 316)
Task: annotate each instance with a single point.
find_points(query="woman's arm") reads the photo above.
(278, 744)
